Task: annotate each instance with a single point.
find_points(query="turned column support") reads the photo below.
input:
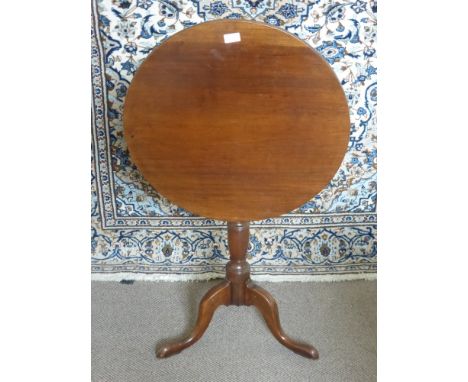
(238, 269)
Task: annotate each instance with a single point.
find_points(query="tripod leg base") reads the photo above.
(267, 306)
(237, 289)
(216, 296)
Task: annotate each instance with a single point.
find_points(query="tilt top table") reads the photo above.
(236, 121)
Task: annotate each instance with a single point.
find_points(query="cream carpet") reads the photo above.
(128, 320)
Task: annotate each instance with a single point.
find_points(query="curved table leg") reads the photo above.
(266, 304)
(216, 296)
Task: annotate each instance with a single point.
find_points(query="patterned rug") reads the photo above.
(137, 233)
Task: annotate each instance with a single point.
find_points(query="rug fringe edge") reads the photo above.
(210, 276)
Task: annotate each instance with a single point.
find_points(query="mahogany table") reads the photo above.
(236, 121)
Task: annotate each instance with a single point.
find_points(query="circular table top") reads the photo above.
(236, 120)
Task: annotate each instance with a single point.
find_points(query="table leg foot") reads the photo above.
(216, 296)
(266, 304)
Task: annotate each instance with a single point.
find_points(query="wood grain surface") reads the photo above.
(236, 131)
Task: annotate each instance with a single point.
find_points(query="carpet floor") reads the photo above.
(129, 320)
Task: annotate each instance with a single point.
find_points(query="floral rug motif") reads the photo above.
(136, 230)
